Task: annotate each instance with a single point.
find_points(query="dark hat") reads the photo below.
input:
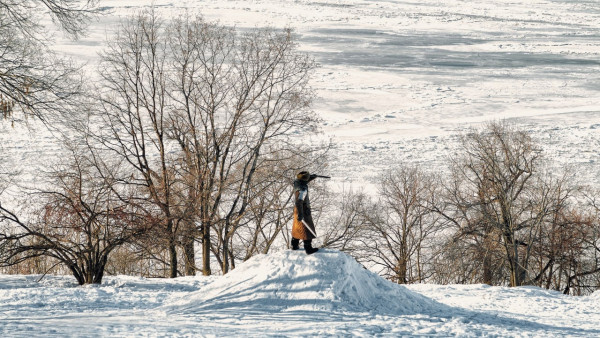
(303, 176)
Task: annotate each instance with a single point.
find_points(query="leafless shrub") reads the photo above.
(77, 222)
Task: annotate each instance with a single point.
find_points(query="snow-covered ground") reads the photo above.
(399, 80)
(287, 294)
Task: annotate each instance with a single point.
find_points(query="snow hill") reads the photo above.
(291, 281)
(287, 294)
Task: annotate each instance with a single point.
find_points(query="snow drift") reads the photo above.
(287, 294)
(328, 281)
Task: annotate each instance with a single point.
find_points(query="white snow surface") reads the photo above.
(291, 294)
(292, 282)
(398, 81)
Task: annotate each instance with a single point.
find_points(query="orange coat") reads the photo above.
(299, 230)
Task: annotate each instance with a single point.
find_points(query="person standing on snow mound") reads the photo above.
(303, 227)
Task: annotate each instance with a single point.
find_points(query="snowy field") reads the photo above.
(398, 81)
(287, 294)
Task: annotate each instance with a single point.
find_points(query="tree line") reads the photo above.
(498, 215)
(189, 137)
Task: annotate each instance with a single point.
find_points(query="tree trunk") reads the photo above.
(487, 259)
(419, 270)
(549, 280)
(77, 275)
(231, 260)
(512, 254)
(99, 270)
(401, 271)
(487, 269)
(516, 272)
(206, 250)
(172, 258)
(172, 247)
(225, 260)
(189, 254)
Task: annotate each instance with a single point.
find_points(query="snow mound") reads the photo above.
(328, 281)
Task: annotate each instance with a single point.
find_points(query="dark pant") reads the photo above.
(296, 244)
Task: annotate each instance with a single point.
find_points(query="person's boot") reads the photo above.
(308, 247)
(295, 244)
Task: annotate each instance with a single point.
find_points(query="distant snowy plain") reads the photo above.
(398, 82)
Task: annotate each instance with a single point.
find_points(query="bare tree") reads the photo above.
(497, 194)
(576, 248)
(79, 222)
(200, 113)
(400, 223)
(343, 222)
(135, 113)
(241, 97)
(33, 80)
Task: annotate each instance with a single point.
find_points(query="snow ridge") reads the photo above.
(328, 281)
